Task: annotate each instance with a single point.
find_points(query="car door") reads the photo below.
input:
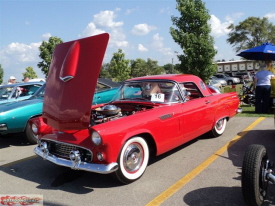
(197, 113)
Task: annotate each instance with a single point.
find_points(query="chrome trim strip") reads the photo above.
(97, 168)
(66, 78)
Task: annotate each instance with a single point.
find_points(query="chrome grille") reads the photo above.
(63, 150)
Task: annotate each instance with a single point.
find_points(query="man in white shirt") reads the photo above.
(12, 80)
(263, 88)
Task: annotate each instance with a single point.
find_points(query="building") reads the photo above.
(239, 66)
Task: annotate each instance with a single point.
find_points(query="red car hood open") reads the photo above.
(72, 81)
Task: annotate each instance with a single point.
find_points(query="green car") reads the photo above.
(14, 116)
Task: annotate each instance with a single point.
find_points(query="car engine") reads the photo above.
(111, 112)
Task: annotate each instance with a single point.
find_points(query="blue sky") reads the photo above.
(139, 27)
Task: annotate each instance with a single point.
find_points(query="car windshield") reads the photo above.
(5, 92)
(152, 91)
(226, 75)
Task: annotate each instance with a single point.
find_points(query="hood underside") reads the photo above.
(71, 82)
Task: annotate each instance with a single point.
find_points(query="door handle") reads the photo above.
(207, 101)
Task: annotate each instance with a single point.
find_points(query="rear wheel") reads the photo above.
(219, 128)
(30, 136)
(254, 183)
(133, 160)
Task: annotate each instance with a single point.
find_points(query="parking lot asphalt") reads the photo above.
(205, 171)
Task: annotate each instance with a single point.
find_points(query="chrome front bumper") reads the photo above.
(77, 164)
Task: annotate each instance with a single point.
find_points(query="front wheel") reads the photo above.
(254, 183)
(133, 160)
(219, 128)
(30, 136)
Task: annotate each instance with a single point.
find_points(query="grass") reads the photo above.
(249, 111)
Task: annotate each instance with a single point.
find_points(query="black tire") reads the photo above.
(30, 136)
(230, 82)
(254, 185)
(132, 161)
(219, 128)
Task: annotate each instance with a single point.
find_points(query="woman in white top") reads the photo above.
(263, 89)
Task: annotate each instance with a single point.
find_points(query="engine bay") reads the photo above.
(111, 112)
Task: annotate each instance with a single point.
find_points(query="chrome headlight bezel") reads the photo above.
(34, 128)
(96, 138)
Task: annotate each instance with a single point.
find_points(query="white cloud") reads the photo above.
(141, 48)
(234, 16)
(104, 22)
(16, 57)
(106, 19)
(158, 45)
(18, 52)
(270, 16)
(91, 30)
(219, 28)
(46, 36)
(166, 10)
(142, 29)
(129, 11)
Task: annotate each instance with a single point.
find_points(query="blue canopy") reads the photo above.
(264, 52)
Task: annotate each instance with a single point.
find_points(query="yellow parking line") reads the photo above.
(18, 161)
(178, 185)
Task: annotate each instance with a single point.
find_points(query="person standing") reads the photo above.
(26, 79)
(263, 88)
(12, 80)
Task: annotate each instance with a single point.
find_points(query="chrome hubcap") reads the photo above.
(219, 124)
(133, 157)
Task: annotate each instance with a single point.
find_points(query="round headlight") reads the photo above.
(96, 138)
(34, 129)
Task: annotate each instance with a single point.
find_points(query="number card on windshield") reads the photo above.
(157, 97)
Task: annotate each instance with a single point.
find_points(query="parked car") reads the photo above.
(18, 91)
(37, 80)
(215, 83)
(14, 116)
(221, 81)
(227, 78)
(243, 76)
(148, 116)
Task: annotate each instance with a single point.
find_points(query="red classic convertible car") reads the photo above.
(148, 116)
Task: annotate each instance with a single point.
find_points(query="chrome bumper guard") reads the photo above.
(77, 164)
(239, 110)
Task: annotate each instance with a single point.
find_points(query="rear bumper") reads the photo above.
(78, 164)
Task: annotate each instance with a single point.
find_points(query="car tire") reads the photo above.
(219, 128)
(30, 136)
(132, 161)
(254, 185)
(230, 83)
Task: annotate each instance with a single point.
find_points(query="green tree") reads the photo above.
(29, 73)
(104, 72)
(140, 67)
(46, 51)
(1, 74)
(250, 33)
(119, 67)
(192, 33)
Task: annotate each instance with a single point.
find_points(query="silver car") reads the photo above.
(230, 80)
(221, 81)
